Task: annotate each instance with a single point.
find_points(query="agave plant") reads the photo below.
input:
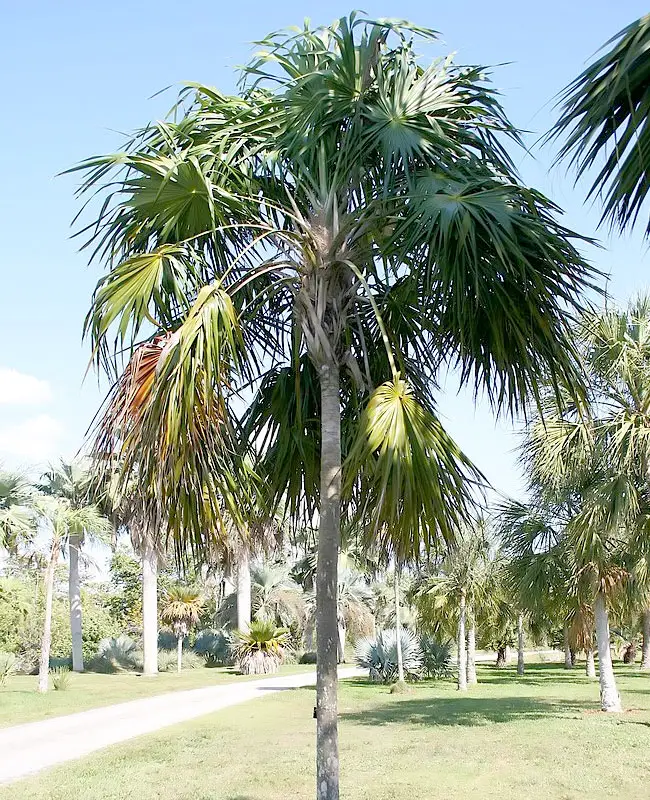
(379, 656)
(215, 647)
(117, 654)
(436, 658)
(261, 648)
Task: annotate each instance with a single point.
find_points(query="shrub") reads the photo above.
(436, 658)
(8, 666)
(193, 660)
(116, 655)
(215, 647)
(167, 661)
(261, 649)
(379, 656)
(60, 678)
(60, 663)
(308, 658)
(167, 641)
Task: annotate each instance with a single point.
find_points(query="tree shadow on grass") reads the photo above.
(464, 710)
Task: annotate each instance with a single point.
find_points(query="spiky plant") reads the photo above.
(261, 648)
(436, 657)
(379, 656)
(117, 654)
(215, 647)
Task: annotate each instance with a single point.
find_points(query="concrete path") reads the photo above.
(25, 749)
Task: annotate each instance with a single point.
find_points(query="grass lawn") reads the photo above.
(540, 736)
(20, 702)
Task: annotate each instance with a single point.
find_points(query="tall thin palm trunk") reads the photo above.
(46, 641)
(462, 652)
(645, 648)
(150, 607)
(244, 590)
(520, 644)
(472, 680)
(590, 668)
(341, 637)
(398, 630)
(327, 746)
(179, 653)
(74, 594)
(609, 697)
(568, 660)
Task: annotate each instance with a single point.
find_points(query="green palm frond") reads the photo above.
(604, 117)
(182, 609)
(414, 477)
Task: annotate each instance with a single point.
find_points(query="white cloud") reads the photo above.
(35, 438)
(16, 388)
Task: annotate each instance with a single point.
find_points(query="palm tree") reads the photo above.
(539, 567)
(62, 520)
(605, 113)
(305, 223)
(73, 483)
(182, 612)
(601, 451)
(16, 509)
(128, 508)
(276, 596)
(461, 584)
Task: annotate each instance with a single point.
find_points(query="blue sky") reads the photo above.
(74, 75)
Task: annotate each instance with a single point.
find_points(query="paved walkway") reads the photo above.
(25, 749)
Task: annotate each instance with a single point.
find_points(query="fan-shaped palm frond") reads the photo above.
(605, 115)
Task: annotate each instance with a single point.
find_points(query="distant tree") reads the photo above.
(182, 612)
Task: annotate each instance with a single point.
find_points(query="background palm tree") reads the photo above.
(604, 114)
(71, 482)
(182, 612)
(62, 521)
(276, 596)
(460, 586)
(17, 519)
(306, 223)
(600, 453)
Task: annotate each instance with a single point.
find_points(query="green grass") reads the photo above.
(539, 737)
(20, 702)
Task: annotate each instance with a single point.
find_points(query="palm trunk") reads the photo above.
(341, 634)
(520, 644)
(609, 697)
(74, 594)
(46, 641)
(462, 653)
(471, 648)
(645, 649)
(568, 661)
(309, 635)
(150, 608)
(244, 590)
(179, 653)
(398, 631)
(590, 669)
(327, 746)
(501, 657)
